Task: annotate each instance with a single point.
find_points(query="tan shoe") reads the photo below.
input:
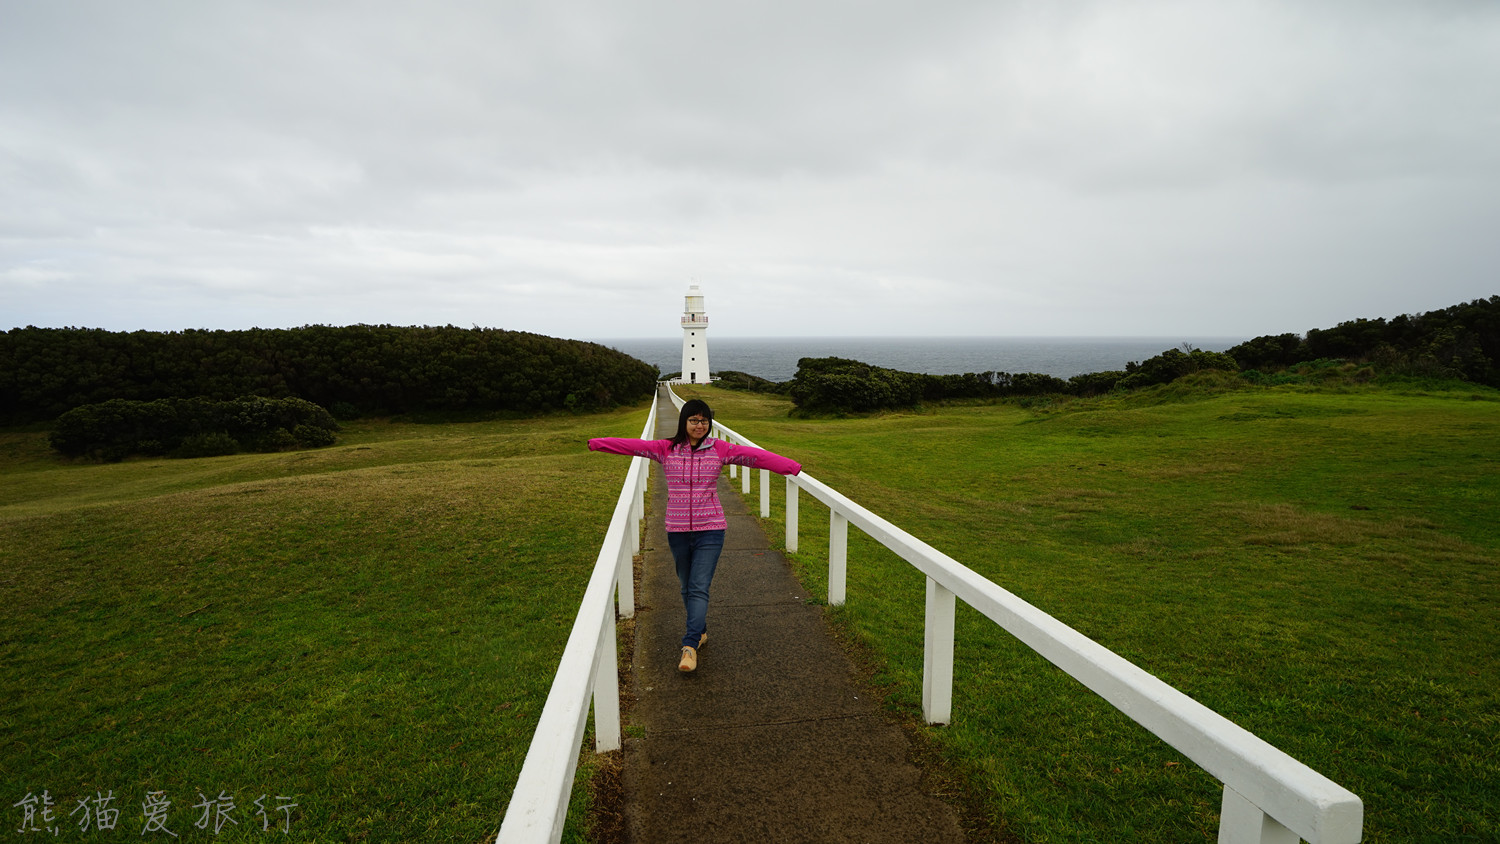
(689, 660)
(702, 640)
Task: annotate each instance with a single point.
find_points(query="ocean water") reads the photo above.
(776, 358)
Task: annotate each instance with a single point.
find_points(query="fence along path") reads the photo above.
(1269, 797)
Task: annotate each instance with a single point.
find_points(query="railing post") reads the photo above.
(838, 556)
(765, 493)
(637, 514)
(607, 692)
(745, 481)
(625, 582)
(937, 658)
(734, 471)
(1242, 822)
(791, 515)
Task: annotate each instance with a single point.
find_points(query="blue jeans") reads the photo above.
(697, 555)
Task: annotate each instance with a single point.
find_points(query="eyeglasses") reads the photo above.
(697, 420)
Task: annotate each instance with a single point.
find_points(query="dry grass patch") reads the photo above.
(1181, 473)
(1071, 504)
(1287, 525)
(1397, 539)
(1139, 547)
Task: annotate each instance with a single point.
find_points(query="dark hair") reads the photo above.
(693, 407)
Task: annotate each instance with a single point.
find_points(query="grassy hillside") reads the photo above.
(368, 630)
(1318, 565)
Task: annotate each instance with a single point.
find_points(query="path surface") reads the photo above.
(769, 740)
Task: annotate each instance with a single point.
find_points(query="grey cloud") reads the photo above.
(1236, 167)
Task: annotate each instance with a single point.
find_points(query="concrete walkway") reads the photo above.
(769, 740)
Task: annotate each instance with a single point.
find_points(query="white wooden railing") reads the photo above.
(1269, 797)
(539, 803)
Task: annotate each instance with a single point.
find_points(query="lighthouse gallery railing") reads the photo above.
(1269, 797)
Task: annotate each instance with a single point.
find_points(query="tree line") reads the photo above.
(351, 370)
(1460, 342)
(842, 385)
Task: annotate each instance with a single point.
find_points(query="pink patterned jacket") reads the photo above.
(693, 474)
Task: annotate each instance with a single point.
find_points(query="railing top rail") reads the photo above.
(1306, 802)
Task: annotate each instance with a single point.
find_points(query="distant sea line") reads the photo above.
(776, 358)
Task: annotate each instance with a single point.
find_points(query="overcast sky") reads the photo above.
(995, 168)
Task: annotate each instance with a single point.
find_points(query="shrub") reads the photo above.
(276, 439)
(312, 436)
(194, 427)
(843, 385)
(744, 381)
(1034, 384)
(849, 386)
(1094, 383)
(1269, 351)
(1173, 364)
(213, 444)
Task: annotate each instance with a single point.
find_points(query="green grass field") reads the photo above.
(1319, 566)
(368, 630)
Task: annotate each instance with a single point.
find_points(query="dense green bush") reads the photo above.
(213, 444)
(1267, 352)
(1173, 364)
(359, 369)
(973, 385)
(744, 381)
(840, 385)
(843, 385)
(312, 436)
(1462, 341)
(1094, 383)
(1027, 384)
(198, 427)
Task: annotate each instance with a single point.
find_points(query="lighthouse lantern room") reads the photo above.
(694, 338)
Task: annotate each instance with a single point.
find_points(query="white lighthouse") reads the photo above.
(694, 338)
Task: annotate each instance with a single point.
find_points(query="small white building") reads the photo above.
(694, 339)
